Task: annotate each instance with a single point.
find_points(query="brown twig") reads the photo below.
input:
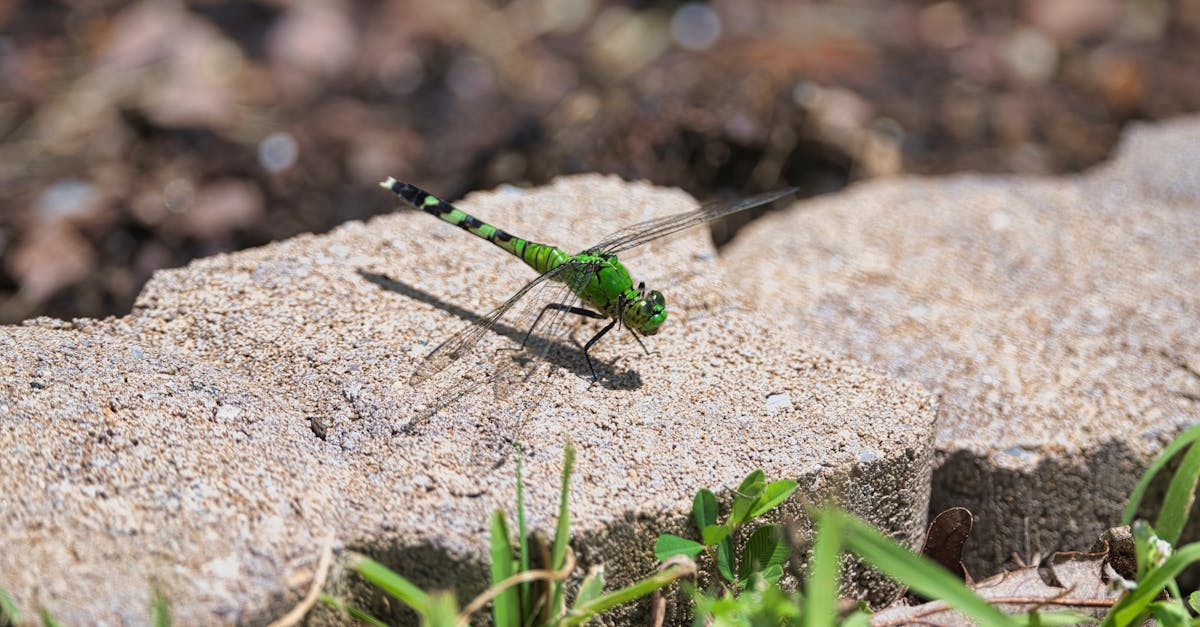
(529, 575)
(941, 606)
(297, 613)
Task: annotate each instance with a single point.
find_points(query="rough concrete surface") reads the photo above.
(254, 402)
(1056, 319)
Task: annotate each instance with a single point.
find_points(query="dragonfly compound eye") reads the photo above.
(653, 309)
(652, 304)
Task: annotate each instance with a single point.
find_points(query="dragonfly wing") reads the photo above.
(544, 327)
(655, 228)
(513, 382)
(463, 342)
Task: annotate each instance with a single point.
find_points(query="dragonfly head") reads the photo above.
(647, 312)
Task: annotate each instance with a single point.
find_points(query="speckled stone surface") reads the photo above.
(1057, 320)
(255, 402)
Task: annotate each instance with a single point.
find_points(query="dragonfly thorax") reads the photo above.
(604, 283)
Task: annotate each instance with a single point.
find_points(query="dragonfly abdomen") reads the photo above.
(540, 257)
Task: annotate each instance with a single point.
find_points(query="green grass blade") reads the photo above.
(1138, 600)
(918, 573)
(1052, 619)
(506, 608)
(391, 583)
(1180, 496)
(1181, 441)
(356, 613)
(363, 616)
(1173, 590)
(636, 590)
(443, 610)
(522, 533)
(48, 619)
(820, 600)
(1145, 547)
(1169, 613)
(10, 614)
(562, 531)
(160, 611)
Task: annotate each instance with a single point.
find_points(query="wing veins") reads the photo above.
(462, 342)
(652, 229)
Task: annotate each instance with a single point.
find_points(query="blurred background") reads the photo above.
(139, 135)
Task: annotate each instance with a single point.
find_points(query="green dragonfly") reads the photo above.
(595, 276)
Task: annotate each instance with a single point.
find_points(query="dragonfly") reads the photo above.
(594, 277)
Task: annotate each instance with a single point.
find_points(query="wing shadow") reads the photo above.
(558, 353)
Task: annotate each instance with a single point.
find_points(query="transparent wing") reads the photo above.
(550, 327)
(463, 342)
(512, 379)
(653, 229)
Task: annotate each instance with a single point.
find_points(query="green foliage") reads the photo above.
(523, 551)
(1182, 441)
(901, 564)
(766, 550)
(1181, 494)
(582, 612)
(562, 531)
(820, 603)
(515, 601)
(9, 613)
(506, 607)
(391, 583)
(160, 613)
(749, 593)
(48, 619)
(760, 603)
(1157, 566)
(1154, 593)
(354, 612)
(753, 596)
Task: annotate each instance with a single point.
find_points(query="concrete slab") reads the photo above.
(1052, 317)
(254, 402)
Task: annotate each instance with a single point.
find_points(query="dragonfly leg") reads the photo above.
(579, 311)
(593, 341)
(641, 292)
(637, 337)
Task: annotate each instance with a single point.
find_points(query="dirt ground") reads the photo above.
(137, 136)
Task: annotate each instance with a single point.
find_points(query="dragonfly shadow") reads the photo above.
(568, 356)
